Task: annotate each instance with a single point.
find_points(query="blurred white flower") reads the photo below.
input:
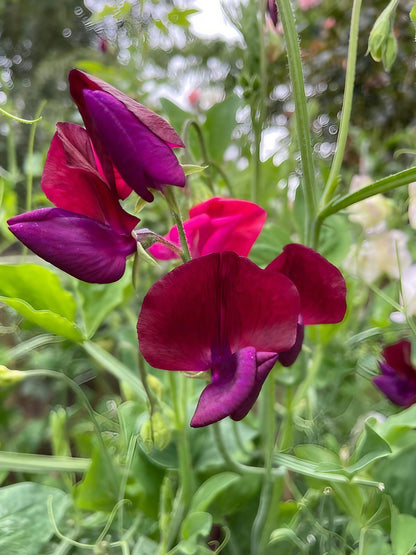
(412, 205)
(370, 213)
(381, 253)
(408, 295)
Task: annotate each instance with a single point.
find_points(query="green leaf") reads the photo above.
(36, 293)
(206, 493)
(24, 521)
(196, 524)
(335, 239)
(326, 472)
(403, 532)
(180, 17)
(370, 447)
(397, 426)
(176, 115)
(190, 169)
(219, 125)
(98, 300)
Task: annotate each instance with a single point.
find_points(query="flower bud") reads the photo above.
(382, 43)
(156, 432)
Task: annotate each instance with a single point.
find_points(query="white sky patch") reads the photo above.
(211, 22)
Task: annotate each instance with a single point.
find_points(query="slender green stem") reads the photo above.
(176, 214)
(184, 451)
(286, 429)
(302, 117)
(189, 124)
(378, 187)
(333, 178)
(269, 436)
(30, 156)
(25, 462)
(313, 370)
(20, 120)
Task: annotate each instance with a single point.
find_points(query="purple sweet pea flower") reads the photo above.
(224, 315)
(127, 136)
(88, 234)
(398, 379)
(271, 8)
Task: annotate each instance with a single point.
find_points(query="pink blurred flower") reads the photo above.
(307, 4)
(217, 225)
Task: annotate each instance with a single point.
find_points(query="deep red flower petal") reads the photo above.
(142, 159)
(287, 358)
(71, 180)
(231, 385)
(214, 305)
(78, 245)
(320, 284)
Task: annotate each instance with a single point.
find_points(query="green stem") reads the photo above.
(378, 187)
(313, 370)
(189, 124)
(184, 451)
(302, 117)
(269, 436)
(30, 155)
(176, 214)
(25, 462)
(332, 182)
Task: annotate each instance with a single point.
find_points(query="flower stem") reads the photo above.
(333, 178)
(176, 214)
(302, 118)
(184, 451)
(269, 435)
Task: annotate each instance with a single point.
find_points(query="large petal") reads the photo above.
(71, 180)
(79, 81)
(179, 322)
(81, 246)
(258, 308)
(321, 286)
(231, 385)
(214, 305)
(142, 159)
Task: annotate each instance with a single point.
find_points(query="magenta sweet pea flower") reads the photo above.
(217, 225)
(88, 234)
(223, 315)
(271, 8)
(398, 379)
(128, 136)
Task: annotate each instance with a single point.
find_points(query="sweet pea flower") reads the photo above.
(217, 225)
(222, 315)
(271, 8)
(128, 136)
(88, 234)
(398, 379)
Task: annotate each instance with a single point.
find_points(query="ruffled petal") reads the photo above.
(232, 383)
(78, 245)
(142, 159)
(320, 284)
